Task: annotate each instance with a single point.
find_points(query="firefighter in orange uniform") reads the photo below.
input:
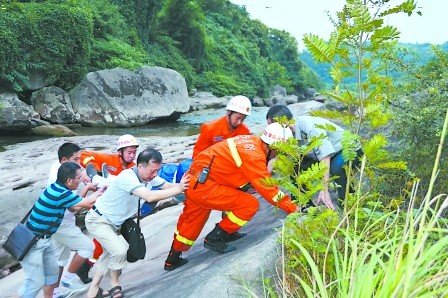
(230, 125)
(231, 165)
(124, 159)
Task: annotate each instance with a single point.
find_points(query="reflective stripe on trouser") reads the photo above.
(212, 196)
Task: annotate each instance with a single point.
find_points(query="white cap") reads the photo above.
(240, 104)
(275, 132)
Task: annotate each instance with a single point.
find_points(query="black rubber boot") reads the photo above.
(174, 260)
(83, 273)
(215, 241)
(233, 236)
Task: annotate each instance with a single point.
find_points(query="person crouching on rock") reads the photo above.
(118, 203)
(218, 174)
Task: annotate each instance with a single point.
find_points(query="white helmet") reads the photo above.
(126, 141)
(240, 104)
(275, 132)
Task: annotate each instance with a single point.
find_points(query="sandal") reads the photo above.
(101, 294)
(116, 292)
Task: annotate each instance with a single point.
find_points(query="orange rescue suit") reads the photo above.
(113, 161)
(215, 131)
(237, 161)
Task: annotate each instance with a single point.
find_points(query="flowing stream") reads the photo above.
(187, 125)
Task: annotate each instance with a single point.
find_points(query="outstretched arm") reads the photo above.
(167, 190)
(324, 195)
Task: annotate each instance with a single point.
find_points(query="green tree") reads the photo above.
(183, 20)
(419, 115)
(50, 37)
(314, 246)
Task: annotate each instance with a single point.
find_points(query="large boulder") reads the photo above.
(53, 131)
(278, 90)
(123, 98)
(15, 115)
(206, 100)
(53, 104)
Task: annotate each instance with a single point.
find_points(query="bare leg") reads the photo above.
(95, 285)
(114, 277)
(76, 262)
(48, 290)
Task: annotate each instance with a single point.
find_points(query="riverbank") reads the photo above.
(26, 166)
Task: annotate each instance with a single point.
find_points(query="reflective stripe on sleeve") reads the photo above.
(183, 239)
(232, 217)
(278, 196)
(87, 160)
(234, 152)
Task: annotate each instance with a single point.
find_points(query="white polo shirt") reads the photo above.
(118, 203)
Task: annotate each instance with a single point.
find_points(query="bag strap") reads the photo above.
(26, 216)
(49, 228)
(134, 169)
(138, 213)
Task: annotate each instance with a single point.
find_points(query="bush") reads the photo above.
(52, 38)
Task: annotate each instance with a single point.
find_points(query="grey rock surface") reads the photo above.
(207, 273)
(53, 104)
(15, 115)
(124, 98)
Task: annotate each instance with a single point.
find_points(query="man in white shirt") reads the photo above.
(118, 203)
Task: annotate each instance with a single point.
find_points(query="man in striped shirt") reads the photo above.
(40, 264)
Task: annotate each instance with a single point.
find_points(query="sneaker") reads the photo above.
(62, 293)
(104, 170)
(74, 284)
(90, 170)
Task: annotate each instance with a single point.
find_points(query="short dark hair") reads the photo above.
(148, 155)
(278, 111)
(67, 150)
(67, 170)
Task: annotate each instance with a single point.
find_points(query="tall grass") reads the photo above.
(403, 253)
(370, 252)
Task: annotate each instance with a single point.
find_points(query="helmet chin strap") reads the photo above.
(123, 161)
(268, 157)
(230, 122)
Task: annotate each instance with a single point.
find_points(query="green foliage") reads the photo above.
(405, 57)
(222, 84)
(107, 54)
(52, 38)
(419, 115)
(183, 21)
(213, 44)
(166, 54)
(140, 14)
(324, 259)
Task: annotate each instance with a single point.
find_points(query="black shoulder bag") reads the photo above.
(21, 239)
(131, 231)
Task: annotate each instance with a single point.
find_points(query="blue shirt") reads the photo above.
(50, 207)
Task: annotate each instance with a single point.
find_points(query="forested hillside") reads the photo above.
(212, 43)
(409, 54)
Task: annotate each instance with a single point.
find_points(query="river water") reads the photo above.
(187, 125)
